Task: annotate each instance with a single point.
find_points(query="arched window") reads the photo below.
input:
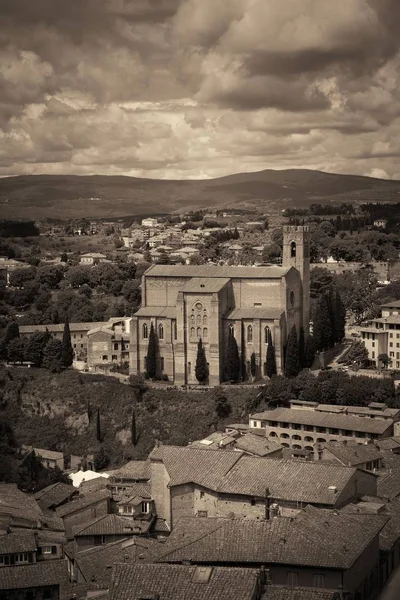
(231, 329)
(199, 332)
(205, 333)
(267, 332)
(296, 447)
(145, 330)
(192, 332)
(308, 439)
(291, 298)
(249, 334)
(272, 434)
(116, 346)
(296, 437)
(292, 249)
(198, 319)
(160, 332)
(192, 319)
(205, 320)
(175, 331)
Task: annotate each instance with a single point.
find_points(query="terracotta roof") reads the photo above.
(283, 592)
(389, 484)
(255, 313)
(134, 469)
(317, 538)
(186, 464)
(395, 303)
(204, 285)
(390, 534)
(182, 582)
(12, 543)
(374, 409)
(352, 454)
(17, 505)
(135, 494)
(245, 272)
(390, 443)
(60, 327)
(50, 537)
(95, 563)
(82, 502)
(257, 445)
(169, 312)
(298, 481)
(54, 494)
(323, 419)
(111, 525)
(52, 572)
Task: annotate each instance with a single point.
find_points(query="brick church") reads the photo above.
(185, 303)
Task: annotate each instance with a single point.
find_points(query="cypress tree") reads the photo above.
(309, 352)
(322, 330)
(302, 344)
(201, 369)
(340, 317)
(270, 366)
(232, 362)
(151, 362)
(67, 355)
(292, 366)
(253, 365)
(133, 429)
(98, 426)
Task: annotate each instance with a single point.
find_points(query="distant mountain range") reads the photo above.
(96, 196)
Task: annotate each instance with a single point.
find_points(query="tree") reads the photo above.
(222, 407)
(339, 318)
(133, 429)
(270, 361)
(309, 352)
(253, 365)
(98, 426)
(384, 359)
(49, 275)
(151, 360)
(232, 360)
(302, 348)
(292, 366)
(11, 332)
(67, 354)
(322, 326)
(52, 356)
(100, 459)
(79, 275)
(139, 386)
(201, 369)
(357, 353)
(16, 350)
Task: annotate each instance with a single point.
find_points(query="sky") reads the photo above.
(180, 89)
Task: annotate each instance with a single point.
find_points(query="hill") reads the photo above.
(52, 411)
(99, 196)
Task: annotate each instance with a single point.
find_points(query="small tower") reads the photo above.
(296, 253)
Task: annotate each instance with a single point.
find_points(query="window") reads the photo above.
(308, 428)
(189, 367)
(291, 298)
(205, 333)
(145, 330)
(114, 357)
(205, 320)
(46, 549)
(231, 329)
(192, 319)
(252, 501)
(284, 435)
(199, 332)
(145, 507)
(256, 304)
(105, 357)
(198, 320)
(272, 434)
(201, 494)
(160, 332)
(267, 332)
(292, 578)
(23, 558)
(116, 346)
(296, 437)
(192, 332)
(74, 345)
(292, 249)
(175, 331)
(249, 334)
(318, 580)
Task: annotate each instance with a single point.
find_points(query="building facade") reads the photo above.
(186, 303)
(381, 336)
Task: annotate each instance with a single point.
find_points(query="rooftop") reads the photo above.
(17, 505)
(393, 304)
(283, 592)
(255, 313)
(182, 582)
(111, 525)
(353, 454)
(205, 285)
(317, 538)
(12, 543)
(324, 419)
(245, 272)
(60, 327)
(169, 312)
(39, 574)
(135, 469)
(82, 502)
(55, 494)
(257, 445)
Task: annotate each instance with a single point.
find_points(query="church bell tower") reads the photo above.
(296, 253)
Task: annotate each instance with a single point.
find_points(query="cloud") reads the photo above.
(182, 88)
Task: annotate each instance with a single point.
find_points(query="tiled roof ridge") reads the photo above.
(94, 549)
(90, 524)
(192, 541)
